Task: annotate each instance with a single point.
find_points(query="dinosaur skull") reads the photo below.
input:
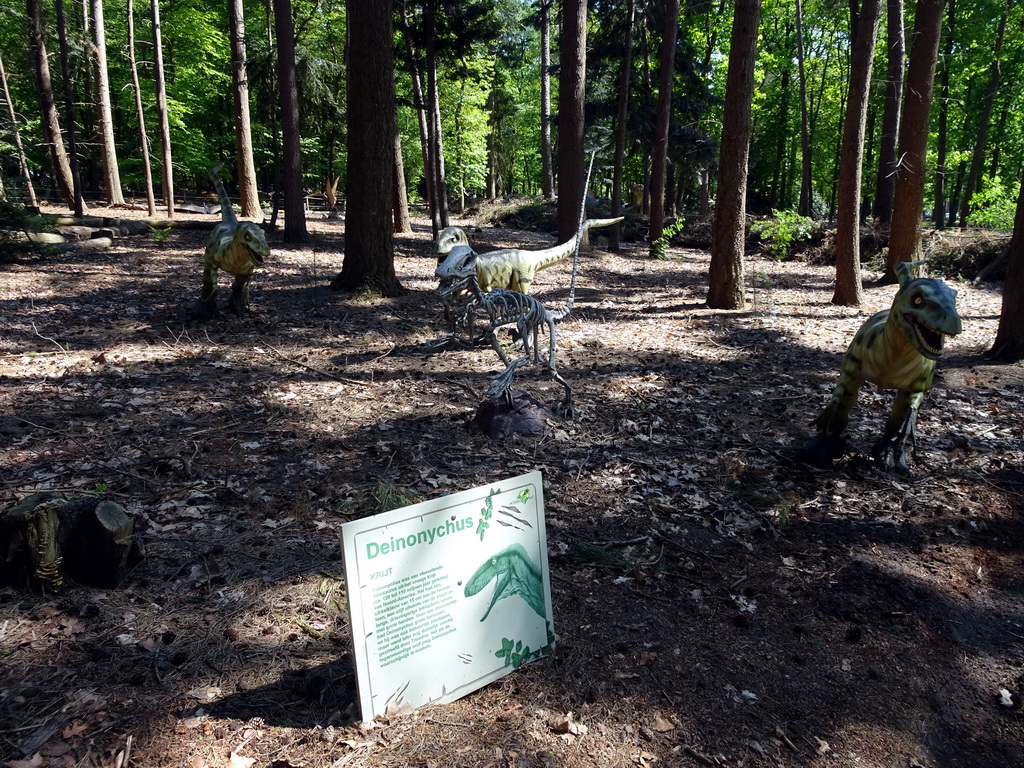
(460, 262)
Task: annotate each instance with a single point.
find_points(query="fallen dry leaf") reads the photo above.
(662, 724)
(238, 761)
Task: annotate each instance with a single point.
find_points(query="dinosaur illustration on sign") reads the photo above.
(513, 573)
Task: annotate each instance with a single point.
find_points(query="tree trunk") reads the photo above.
(1009, 343)
(848, 284)
(420, 104)
(140, 115)
(161, 112)
(69, 107)
(725, 290)
(401, 195)
(294, 195)
(275, 139)
(22, 163)
(625, 76)
(984, 121)
(908, 196)
(885, 180)
(491, 179)
(50, 121)
(942, 138)
(245, 169)
(804, 204)
(547, 183)
(662, 121)
(369, 265)
(572, 57)
(88, 164)
(437, 150)
(435, 141)
(111, 174)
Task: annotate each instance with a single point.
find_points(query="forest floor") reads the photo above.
(715, 603)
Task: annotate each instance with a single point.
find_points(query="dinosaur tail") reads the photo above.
(227, 213)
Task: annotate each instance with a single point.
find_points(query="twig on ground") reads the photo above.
(50, 339)
(320, 371)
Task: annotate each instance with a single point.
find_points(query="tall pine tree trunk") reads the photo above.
(294, 196)
(111, 174)
(401, 194)
(908, 196)
(420, 105)
(30, 191)
(1009, 343)
(942, 137)
(140, 115)
(435, 141)
(725, 279)
(167, 173)
(804, 204)
(369, 264)
(662, 121)
(69, 107)
(50, 121)
(896, 46)
(547, 183)
(625, 77)
(848, 284)
(249, 196)
(571, 84)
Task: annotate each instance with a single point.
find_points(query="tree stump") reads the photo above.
(47, 540)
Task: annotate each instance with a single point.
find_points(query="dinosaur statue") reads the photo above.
(510, 268)
(513, 573)
(235, 247)
(896, 348)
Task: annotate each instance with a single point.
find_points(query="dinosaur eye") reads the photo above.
(918, 301)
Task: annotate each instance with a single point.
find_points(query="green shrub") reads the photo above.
(783, 231)
(670, 230)
(994, 207)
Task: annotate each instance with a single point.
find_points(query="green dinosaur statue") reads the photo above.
(235, 247)
(509, 268)
(514, 573)
(896, 348)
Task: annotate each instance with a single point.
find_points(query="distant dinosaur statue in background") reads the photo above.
(235, 247)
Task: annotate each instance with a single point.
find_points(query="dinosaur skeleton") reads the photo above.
(506, 307)
(235, 247)
(502, 307)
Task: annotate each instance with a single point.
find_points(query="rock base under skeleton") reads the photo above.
(498, 418)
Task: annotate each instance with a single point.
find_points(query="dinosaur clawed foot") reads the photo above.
(891, 455)
(822, 450)
(566, 410)
(205, 310)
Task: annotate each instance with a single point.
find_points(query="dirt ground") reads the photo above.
(715, 604)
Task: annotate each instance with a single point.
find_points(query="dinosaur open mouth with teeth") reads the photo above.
(256, 257)
(451, 286)
(929, 341)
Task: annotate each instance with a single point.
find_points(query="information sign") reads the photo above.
(448, 595)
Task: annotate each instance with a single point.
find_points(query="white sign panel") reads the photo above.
(449, 594)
